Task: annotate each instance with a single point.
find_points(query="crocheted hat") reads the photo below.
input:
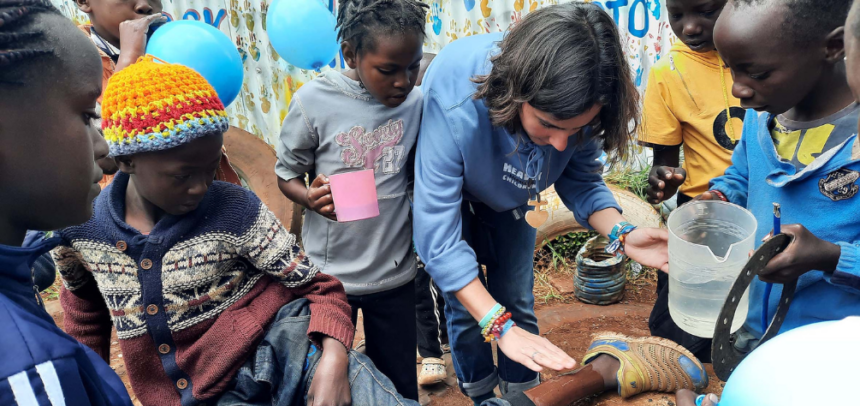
(153, 106)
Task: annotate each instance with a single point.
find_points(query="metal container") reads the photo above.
(600, 277)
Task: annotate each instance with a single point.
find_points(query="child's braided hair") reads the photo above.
(357, 19)
(19, 40)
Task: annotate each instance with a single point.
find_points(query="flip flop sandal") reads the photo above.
(649, 364)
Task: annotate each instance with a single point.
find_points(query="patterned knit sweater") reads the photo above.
(191, 300)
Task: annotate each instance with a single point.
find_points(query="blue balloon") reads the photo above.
(811, 365)
(203, 48)
(302, 32)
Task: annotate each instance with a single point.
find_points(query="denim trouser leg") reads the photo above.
(505, 245)
(280, 371)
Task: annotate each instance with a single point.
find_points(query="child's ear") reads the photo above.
(349, 54)
(84, 6)
(835, 45)
(125, 164)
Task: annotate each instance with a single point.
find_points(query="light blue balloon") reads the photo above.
(809, 366)
(203, 48)
(303, 32)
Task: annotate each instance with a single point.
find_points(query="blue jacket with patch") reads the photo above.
(461, 155)
(823, 197)
(40, 365)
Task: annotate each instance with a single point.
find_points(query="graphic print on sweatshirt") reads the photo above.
(377, 150)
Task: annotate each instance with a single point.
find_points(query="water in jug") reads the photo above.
(709, 244)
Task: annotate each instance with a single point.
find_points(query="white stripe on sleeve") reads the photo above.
(22, 389)
(52, 383)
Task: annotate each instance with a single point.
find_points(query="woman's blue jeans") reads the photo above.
(504, 243)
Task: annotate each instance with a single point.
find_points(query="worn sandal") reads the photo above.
(649, 364)
(433, 371)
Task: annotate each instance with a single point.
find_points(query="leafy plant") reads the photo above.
(565, 247)
(636, 181)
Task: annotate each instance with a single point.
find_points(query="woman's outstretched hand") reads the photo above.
(534, 351)
(649, 247)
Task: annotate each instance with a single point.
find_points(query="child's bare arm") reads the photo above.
(132, 39)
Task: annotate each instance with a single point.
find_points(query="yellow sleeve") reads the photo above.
(660, 125)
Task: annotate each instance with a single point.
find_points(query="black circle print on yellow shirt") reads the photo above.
(839, 184)
(720, 127)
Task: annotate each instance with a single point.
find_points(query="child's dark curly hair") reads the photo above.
(20, 41)
(562, 60)
(357, 19)
(807, 21)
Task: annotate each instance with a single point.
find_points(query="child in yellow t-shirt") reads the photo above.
(688, 102)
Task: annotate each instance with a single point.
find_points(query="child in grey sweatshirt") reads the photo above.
(365, 118)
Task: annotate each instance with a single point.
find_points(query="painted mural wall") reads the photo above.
(270, 82)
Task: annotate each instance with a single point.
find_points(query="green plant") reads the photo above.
(565, 247)
(636, 181)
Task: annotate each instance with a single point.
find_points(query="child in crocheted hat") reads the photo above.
(199, 278)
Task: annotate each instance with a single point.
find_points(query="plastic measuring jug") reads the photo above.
(709, 244)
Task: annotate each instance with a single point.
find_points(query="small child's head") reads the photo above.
(383, 40)
(780, 51)
(107, 15)
(50, 80)
(693, 21)
(165, 126)
(560, 70)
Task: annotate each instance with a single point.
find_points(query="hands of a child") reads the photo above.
(709, 195)
(663, 183)
(686, 397)
(319, 197)
(132, 38)
(805, 253)
(649, 247)
(533, 351)
(330, 385)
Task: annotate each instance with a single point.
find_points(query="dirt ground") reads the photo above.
(571, 326)
(563, 320)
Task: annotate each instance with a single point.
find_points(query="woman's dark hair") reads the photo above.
(358, 19)
(562, 60)
(20, 40)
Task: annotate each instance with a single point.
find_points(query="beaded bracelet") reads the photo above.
(494, 331)
(492, 320)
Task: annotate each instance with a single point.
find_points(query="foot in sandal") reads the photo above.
(433, 371)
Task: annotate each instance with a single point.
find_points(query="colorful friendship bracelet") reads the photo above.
(493, 319)
(497, 329)
(617, 236)
(490, 315)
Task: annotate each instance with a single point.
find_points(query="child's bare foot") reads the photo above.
(686, 397)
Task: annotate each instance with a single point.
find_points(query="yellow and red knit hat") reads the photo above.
(153, 106)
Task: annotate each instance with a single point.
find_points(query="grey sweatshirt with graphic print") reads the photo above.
(335, 126)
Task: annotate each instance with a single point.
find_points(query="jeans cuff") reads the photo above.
(482, 387)
(513, 387)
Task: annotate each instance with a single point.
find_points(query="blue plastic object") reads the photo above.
(203, 48)
(302, 32)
